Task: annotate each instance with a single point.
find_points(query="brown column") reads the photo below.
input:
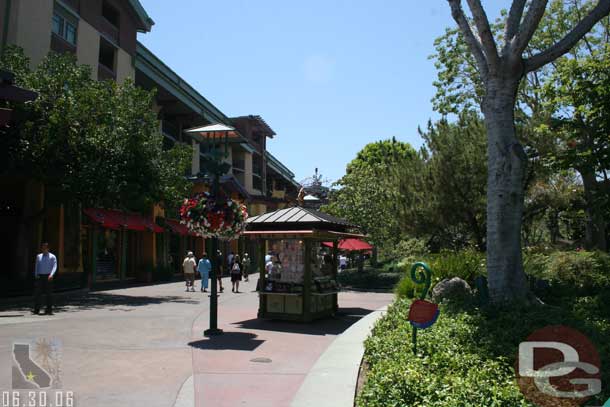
(307, 282)
(262, 303)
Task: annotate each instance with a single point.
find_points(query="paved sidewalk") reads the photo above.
(142, 346)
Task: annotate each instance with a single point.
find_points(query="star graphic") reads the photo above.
(30, 376)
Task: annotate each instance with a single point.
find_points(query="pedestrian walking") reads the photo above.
(245, 265)
(44, 272)
(235, 274)
(189, 266)
(204, 267)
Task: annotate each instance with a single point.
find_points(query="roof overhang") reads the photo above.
(145, 20)
(281, 169)
(155, 69)
(259, 121)
(314, 234)
(215, 133)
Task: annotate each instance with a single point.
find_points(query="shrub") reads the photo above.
(369, 278)
(467, 357)
(570, 272)
(465, 264)
(410, 249)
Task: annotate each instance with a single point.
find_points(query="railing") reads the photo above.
(239, 164)
(257, 182)
(109, 29)
(170, 129)
(103, 72)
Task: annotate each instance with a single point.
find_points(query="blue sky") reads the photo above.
(328, 76)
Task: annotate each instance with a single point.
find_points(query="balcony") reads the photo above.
(239, 164)
(257, 182)
(105, 73)
(109, 29)
(170, 129)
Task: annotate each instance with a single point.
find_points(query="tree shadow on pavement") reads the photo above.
(336, 325)
(229, 341)
(100, 301)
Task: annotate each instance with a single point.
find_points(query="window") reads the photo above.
(64, 27)
(107, 54)
(110, 14)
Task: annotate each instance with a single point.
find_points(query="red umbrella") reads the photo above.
(351, 245)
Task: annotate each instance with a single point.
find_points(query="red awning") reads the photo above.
(176, 227)
(112, 219)
(351, 245)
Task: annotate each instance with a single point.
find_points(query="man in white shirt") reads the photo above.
(342, 262)
(44, 271)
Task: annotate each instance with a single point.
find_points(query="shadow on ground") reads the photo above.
(344, 318)
(100, 301)
(229, 341)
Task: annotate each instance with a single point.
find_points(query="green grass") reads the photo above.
(467, 358)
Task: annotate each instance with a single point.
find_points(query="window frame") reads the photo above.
(64, 22)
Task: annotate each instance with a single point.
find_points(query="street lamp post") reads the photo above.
(215, 166)
(216, 137)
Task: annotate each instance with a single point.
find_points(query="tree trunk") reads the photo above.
(507, 168)
(595, 226)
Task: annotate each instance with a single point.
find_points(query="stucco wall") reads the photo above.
(195, 163)
(124, 66)
(248, 172)
(30, 28)
(88, 46)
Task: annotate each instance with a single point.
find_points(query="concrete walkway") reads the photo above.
(144, 346)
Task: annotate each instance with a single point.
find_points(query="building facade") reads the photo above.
(95, 245)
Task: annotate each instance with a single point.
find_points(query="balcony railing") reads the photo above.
(239, 164)
(170, 129)
(109, 29)
(103, 72)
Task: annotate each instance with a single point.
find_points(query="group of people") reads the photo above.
(238, 268)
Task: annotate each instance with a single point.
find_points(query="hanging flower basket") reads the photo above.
(224, 219)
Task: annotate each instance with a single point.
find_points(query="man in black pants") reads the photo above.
(46, 266)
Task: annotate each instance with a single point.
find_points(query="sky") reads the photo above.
(328, 76)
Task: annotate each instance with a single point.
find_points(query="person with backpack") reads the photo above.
(236, 274)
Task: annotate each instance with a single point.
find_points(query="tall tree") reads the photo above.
(368, 194)
(580, 96)
(501, 71)
(96, 141)
(455, 173)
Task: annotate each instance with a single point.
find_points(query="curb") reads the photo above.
(332, 380)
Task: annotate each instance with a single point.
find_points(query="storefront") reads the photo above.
(298, 274)
(120, 245)
(181, 241)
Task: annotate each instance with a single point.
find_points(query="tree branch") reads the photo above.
(535, 11)
(473, 43)
(566, 43)
(486, 37)
(513, 22)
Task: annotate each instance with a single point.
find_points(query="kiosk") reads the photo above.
(298, 274)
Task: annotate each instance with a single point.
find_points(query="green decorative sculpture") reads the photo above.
(422, 314)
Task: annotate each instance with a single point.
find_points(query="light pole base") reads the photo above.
(212, 332)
